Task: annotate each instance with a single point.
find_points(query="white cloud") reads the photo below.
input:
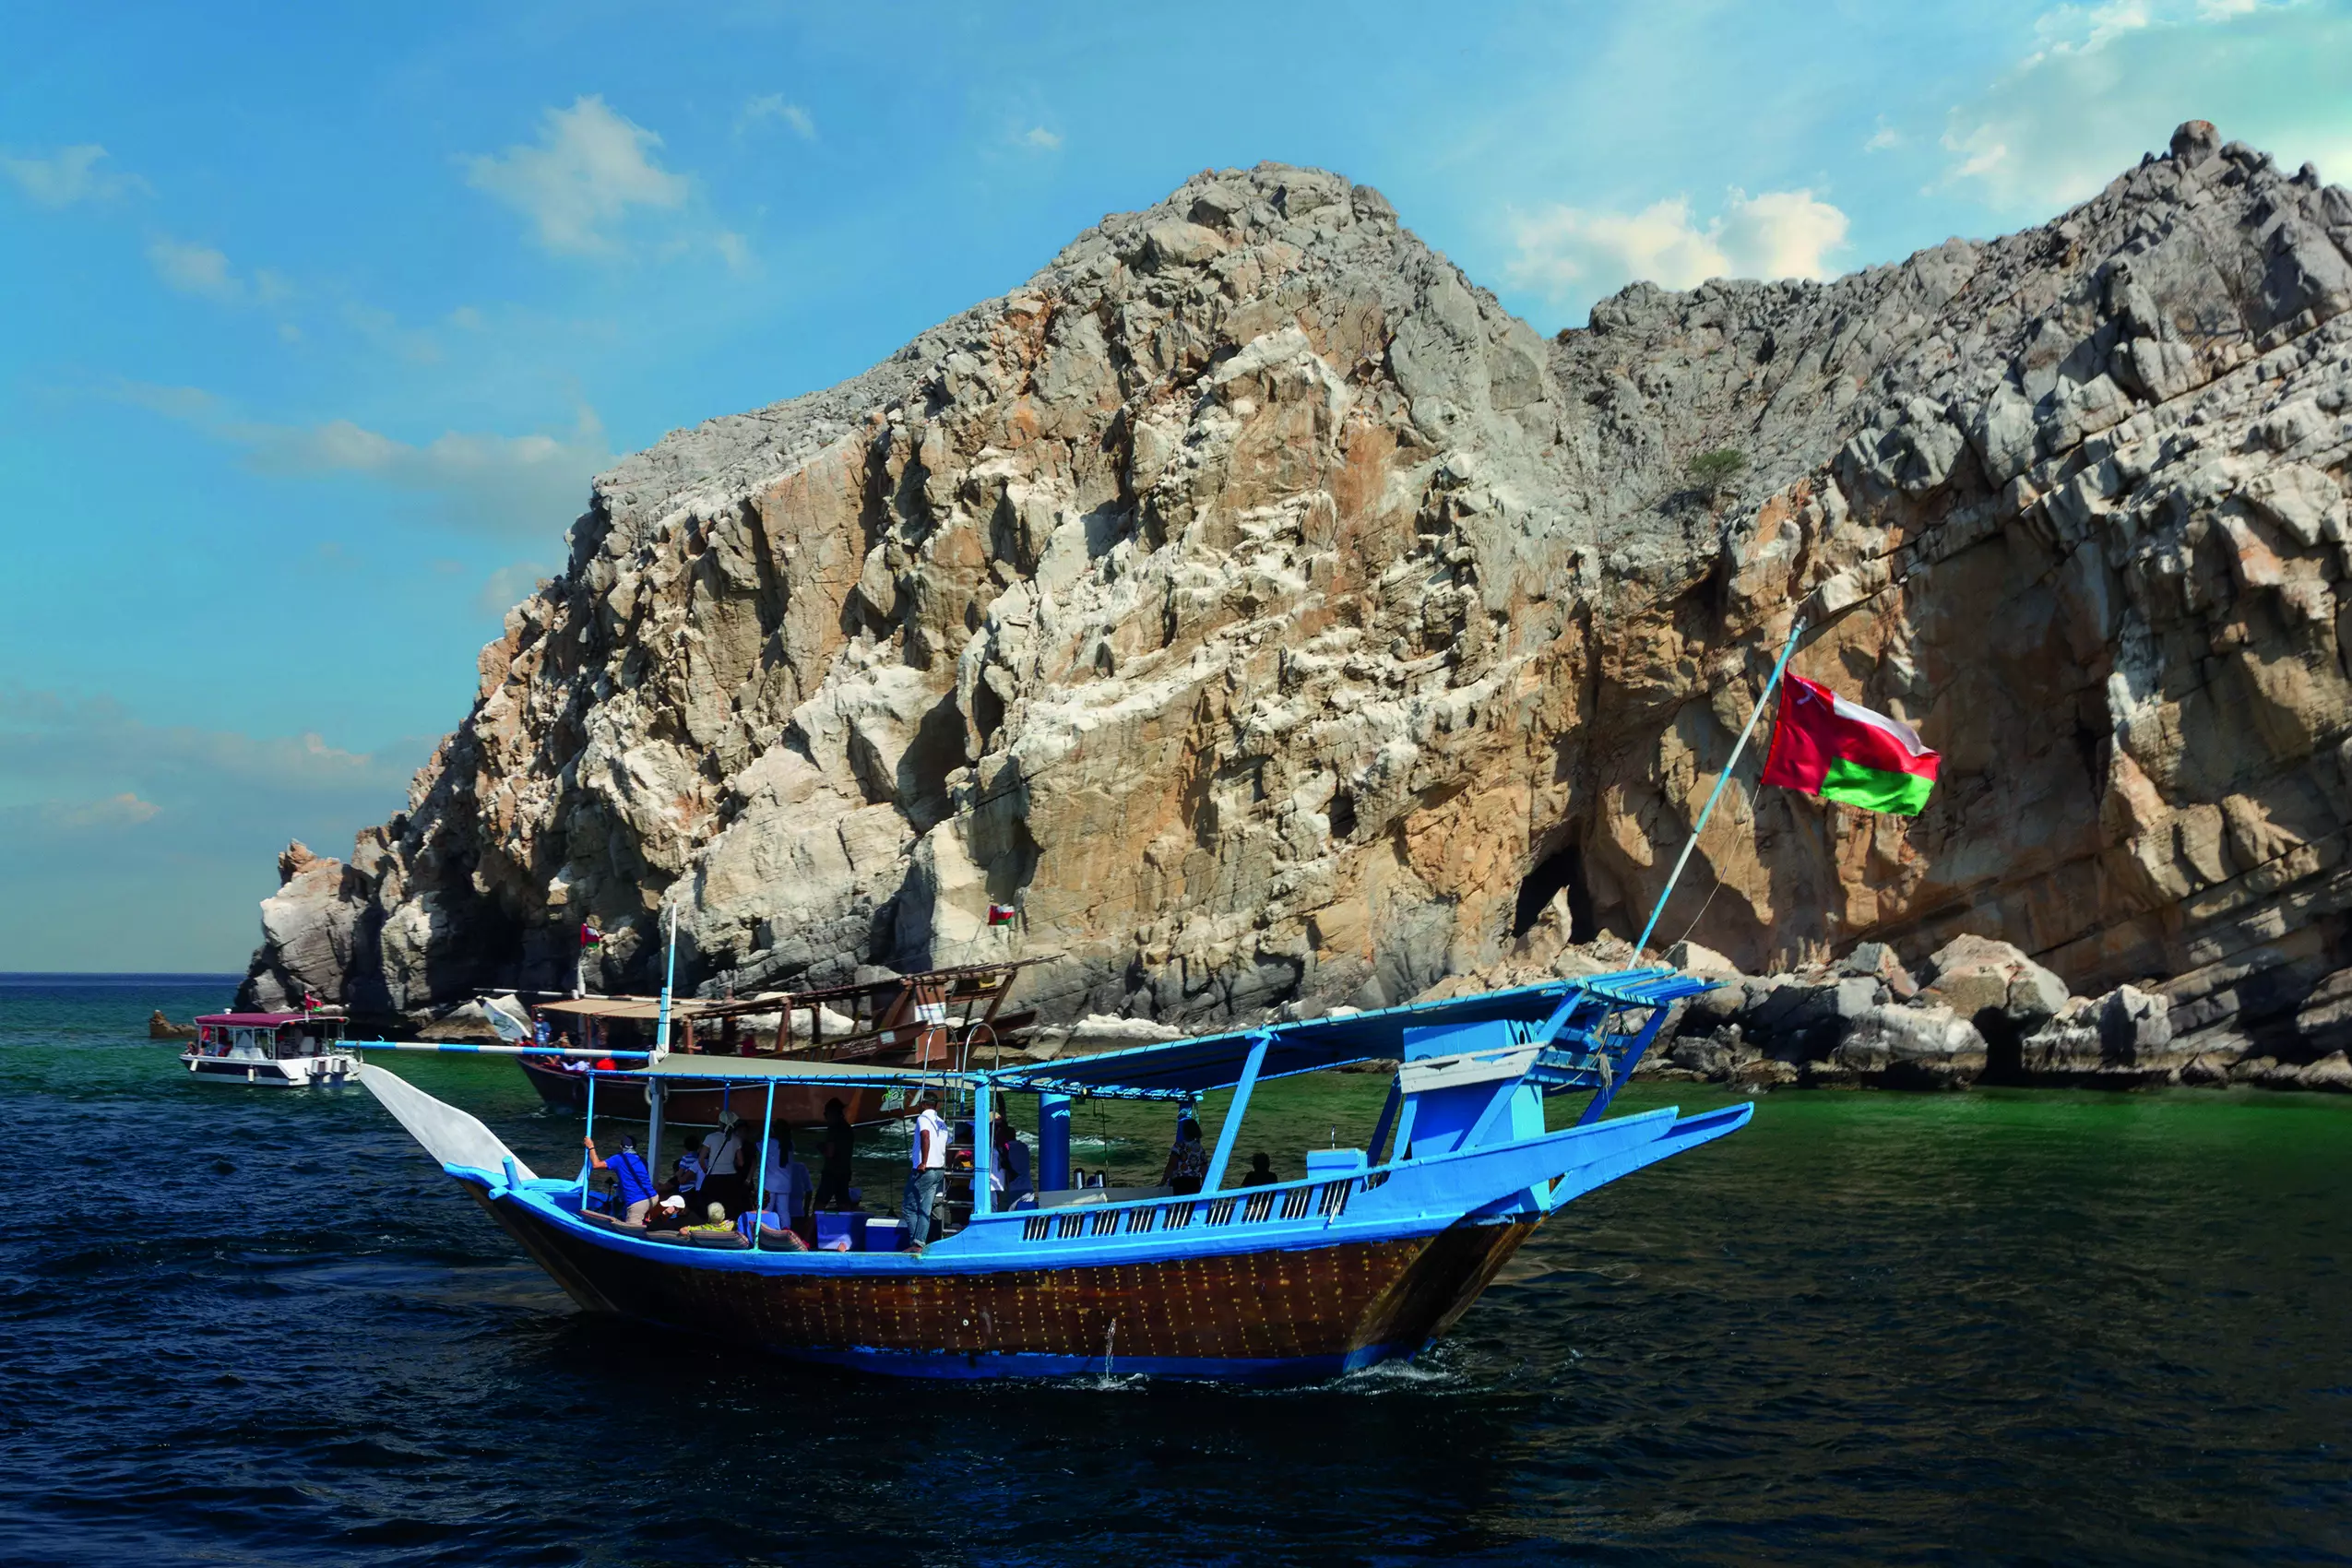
(509, 586)
(126, 810)
(1885, 139)
(590, 167)
(504, 485)
(68, 175)
(1573, 251)
(194, 269)
(126, 844)
(2097, 86)
(772, 106)
(1037, 138)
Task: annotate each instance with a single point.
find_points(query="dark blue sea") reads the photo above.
(245, 1325)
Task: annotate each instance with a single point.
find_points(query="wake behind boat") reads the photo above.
(1377, 1250)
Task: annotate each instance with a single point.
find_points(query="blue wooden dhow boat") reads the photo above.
(1376, 1251)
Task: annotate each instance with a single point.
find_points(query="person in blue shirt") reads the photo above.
(634, 1193)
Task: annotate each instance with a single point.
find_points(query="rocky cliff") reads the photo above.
(1273, 619)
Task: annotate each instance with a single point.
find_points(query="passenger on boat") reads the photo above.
(928, 1155)
(785, 1179)
(633, 1183)
(669, 1213)
(837, 1143)
(714, 1222)
(690, 1174)
(1009, 1180)
(1187, 1165)
(1261, 1171)
(724, 1165)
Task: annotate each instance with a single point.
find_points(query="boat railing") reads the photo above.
(1322, 1199)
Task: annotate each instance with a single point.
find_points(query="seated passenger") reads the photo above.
(714, 1222)
(690, 1175)
(1187, 1164)
(669, 1213)
(1261, 1171)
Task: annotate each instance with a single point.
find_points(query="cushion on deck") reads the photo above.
(672, 1237)
(726, 1241)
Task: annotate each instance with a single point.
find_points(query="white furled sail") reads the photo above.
(505, 1016)
(447, 1134)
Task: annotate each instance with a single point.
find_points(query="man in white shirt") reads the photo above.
(928, 1155)
(786, 1180)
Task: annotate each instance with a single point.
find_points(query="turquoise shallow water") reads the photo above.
(255, 1327)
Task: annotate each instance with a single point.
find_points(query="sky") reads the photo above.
(316, 321)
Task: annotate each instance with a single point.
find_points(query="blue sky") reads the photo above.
(315, 321)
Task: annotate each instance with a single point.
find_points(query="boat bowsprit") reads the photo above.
(1369, 1257)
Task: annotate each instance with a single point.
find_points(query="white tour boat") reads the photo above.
(289, 1050)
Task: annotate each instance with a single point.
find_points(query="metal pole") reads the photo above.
(654, 1095)
(766, 1131)
(983, 1150)
(1720, 781)
(588, 1132)
(669, 972)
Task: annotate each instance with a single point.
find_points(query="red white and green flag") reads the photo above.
(1841, 751)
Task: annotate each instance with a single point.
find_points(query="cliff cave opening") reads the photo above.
(1563, 868)
(2004, 1047)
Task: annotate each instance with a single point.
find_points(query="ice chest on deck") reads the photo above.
(883, 1235)
(832, 1225)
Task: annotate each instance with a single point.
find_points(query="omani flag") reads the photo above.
(1841, 751)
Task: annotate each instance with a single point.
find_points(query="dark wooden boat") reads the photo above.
(939, 1018)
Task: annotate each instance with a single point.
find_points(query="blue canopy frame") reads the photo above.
(1575, 1022)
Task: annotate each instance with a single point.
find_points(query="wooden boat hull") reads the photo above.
(796, 1105)
(1279, 1314)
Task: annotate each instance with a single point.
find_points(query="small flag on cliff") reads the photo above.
(590, 935)
(1841, 751)
(1001, 914)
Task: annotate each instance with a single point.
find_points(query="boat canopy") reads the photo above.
(649, 1008)
(1562, 1012)
(267, 1020)
(759, 1069)
(1571, 1022)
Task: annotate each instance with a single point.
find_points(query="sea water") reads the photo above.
(254, 1326)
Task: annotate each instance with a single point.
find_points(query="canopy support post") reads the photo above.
(983, 1150)
(1387, 1120)
(1231, 1132)
(759, 1202)
(589, 1134)
(1053, 1143)
(654, 1095)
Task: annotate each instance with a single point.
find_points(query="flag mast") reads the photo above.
(1721, 779)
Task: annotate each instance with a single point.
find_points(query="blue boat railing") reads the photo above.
(1325, 1200)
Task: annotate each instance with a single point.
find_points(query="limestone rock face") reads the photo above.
(1275, 620)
